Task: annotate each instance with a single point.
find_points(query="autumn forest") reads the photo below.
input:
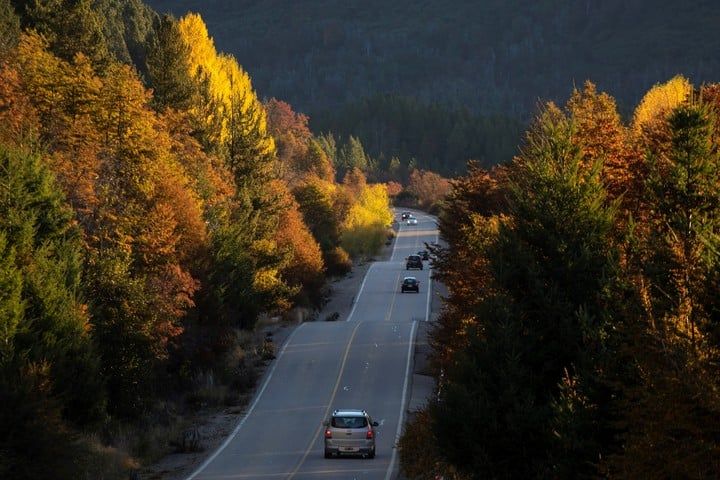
(146, 223)
(154, 209)
(581, 337)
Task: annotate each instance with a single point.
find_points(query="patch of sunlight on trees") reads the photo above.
(365, 227)
(230, 87)
(660, 100)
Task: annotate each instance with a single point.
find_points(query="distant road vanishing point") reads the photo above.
(363, 362)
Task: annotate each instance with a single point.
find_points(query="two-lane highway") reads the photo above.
(362, 362)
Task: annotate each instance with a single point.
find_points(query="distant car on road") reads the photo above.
(414, 261)
(424, 254)
(410, 284)
(411, 221)
(405, 215)
(350, 431)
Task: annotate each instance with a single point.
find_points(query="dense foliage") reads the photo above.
(145, 229)
(579, 339)
(48, 364)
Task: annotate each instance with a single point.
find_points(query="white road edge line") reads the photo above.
(401, 420)
(429, 288)
(249, 411)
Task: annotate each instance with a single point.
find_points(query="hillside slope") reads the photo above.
(499, 55)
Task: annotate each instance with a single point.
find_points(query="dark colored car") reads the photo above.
(424, 254)
(410, 284)
(414, 261)
(405, 215)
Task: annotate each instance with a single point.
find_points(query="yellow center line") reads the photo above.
(330, 403)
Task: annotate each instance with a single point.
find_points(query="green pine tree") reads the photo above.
(242, 255)
(71, 27)
(671, 403)
(534, 354)
(9, 28)
(168, 67)
(49, 376)
(683, 188)
(352, 155)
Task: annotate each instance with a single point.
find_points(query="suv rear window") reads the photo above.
(349, 422)
(414, 258)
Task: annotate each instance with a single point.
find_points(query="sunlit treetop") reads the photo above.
(229, 85)
(660, 100)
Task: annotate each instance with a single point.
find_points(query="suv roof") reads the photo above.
(349, 412)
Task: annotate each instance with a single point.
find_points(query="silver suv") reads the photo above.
(350, 432)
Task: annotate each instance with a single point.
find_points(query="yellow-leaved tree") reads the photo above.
(365, 227)
(226, 106)
(230, 122)
(660, 100)
(305, 269)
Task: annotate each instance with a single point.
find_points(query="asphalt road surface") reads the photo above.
(362, 362)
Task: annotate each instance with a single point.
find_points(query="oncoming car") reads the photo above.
(350, 431)
(410, 284)
(412, 221)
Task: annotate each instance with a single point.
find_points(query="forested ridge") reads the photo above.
(152, 210)
(580, 338)
(436, 60)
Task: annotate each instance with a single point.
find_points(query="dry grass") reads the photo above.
(108, 463)
(163, 430)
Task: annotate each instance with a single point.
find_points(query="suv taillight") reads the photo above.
(369, 434)
(328, 433)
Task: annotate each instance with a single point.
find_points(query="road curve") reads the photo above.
(362, 362)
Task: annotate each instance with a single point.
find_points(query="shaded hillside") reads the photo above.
(429, 136)
(497, 55)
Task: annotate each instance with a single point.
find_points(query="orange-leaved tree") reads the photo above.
(305, 268)
(602, 137)
(141, 219)
(428, 187)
